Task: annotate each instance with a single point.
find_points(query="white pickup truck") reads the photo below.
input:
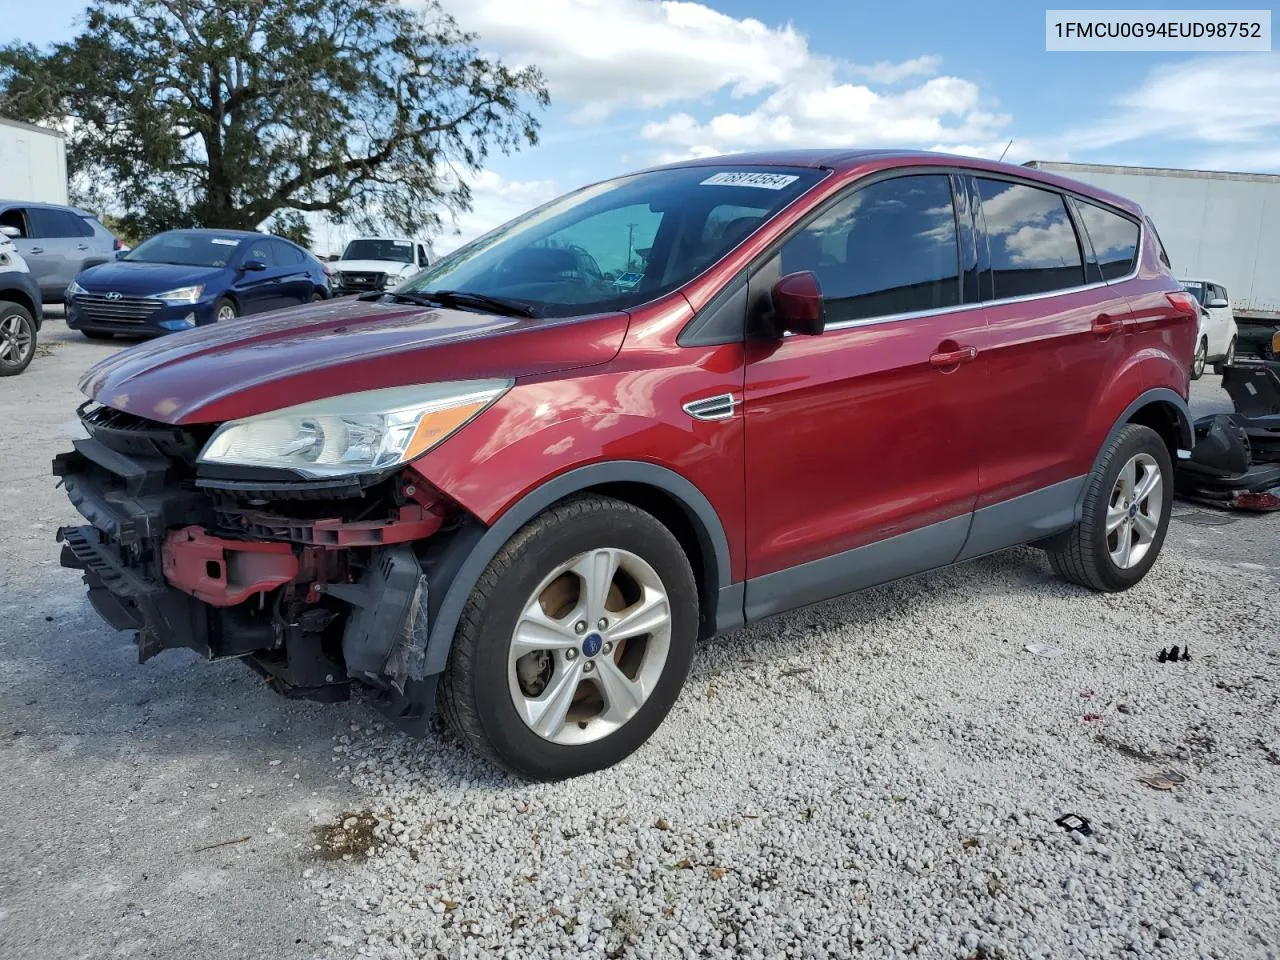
(376, 263)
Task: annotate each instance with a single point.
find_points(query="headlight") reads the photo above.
(355, 433)
(391, 280)
(75, 289)
(182, 294)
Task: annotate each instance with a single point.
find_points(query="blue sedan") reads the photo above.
(188, 278)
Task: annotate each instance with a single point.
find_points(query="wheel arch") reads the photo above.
(23, 299)
(1161, 409)
(455, 566)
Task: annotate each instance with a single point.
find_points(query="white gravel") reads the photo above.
(878, 776)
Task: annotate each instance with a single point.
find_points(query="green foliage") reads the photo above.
(291, 225)
(224, 112)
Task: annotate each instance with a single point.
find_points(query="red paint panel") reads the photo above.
(854, 436)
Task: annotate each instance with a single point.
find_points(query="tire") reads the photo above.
(1198, 361)
(483, 685)
(225, 309)
(317, 297)
(1084, 554)
(98, 334)
(1227, 360)
(17, 338)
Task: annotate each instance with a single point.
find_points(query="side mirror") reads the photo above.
(11, 232)
(120, 254)
(252, 266)
(797, 304)
(1217, 302)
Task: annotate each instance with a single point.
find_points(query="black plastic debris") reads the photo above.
(1236, 459)
(1173, 654)
(1074, 823)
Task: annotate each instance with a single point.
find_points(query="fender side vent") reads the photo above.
(719, 407)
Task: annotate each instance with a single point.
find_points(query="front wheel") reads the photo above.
(575, 642)
(17, 338)
(1227, 360)
(1198, 361)
(224, 310)
(1128, 499)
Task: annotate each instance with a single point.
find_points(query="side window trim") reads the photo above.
(1092, 271)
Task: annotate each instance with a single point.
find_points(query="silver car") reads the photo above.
(57, 242)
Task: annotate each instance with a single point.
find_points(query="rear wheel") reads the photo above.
(575, 642)
(1228, 359)
(1198, 362)
(17, 338)
(1125, 516)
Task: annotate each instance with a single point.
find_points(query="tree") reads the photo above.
(225, 113)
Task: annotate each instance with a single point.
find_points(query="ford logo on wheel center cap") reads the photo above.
(592, 644)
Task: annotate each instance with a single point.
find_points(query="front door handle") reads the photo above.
(1104, 324)
(951, 358)
(37, 249)
(82, 246)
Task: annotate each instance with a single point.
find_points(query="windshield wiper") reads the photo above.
(461, 298)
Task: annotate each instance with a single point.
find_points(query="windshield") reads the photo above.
(186, 249)
(1195, 288)
(617, 244)
(400, 251)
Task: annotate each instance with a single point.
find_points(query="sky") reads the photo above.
(636, 82)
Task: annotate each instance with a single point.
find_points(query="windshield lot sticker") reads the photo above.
(749, 178)
(225, 243)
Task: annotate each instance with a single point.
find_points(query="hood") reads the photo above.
(137, 278)
(371, 266)
(256, 364)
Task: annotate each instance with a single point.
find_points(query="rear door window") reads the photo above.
(1033, 245)
(1114, 238)
(53, 224)
(884, 249)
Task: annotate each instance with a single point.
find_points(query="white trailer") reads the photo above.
(33, 163)
(1221, 226)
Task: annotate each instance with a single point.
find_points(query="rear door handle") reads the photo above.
(950, 358)
(37, 249)
(1104, 324)
(82, 246)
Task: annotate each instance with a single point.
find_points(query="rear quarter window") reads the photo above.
(1034, 248)
(1114, 238)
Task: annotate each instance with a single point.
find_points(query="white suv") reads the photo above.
(376, 263)
(1216, 339)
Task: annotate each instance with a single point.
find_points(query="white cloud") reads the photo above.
(494, 201)
(885, 72)
(819, 111)
(1227, 106)
(606, 54)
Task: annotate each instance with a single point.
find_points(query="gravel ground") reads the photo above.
(876, 776)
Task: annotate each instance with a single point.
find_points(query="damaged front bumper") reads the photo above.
(315, 595)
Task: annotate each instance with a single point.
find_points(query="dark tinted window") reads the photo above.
(1196, 289)
(1164, 254)
(1114, 238)
(1033, 244)
(85, 225)
(286, 254)
(14, 217)
(261, 250)
(53, 224)
(886, 248)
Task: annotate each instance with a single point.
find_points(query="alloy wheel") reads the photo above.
(1202, 354)
(1231, 353)
(15, 340)
(1133, 512)
(590, 646)
(226, 312)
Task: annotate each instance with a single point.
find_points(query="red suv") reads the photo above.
(524, 484)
